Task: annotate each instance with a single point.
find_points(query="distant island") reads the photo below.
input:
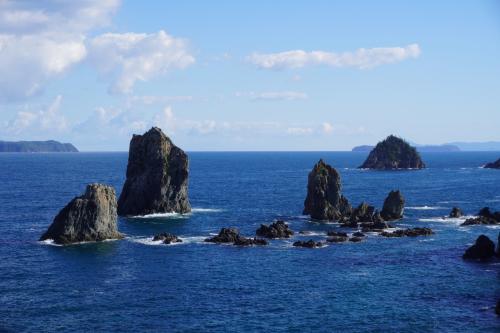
(50, 146)
(420, 148)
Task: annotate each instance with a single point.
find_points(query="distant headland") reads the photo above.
(49, 146)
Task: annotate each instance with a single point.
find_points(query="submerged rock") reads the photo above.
(355, 239)
(336, 233)
(90, 217)
(337, 239)
(456, 212)
(157, 177)
(413, 232)
(393, 153)
(278, 229)
(497, 308)
(309, 244)
(493, 165)
(483, 249)
(393, 207)
(232, 235)
(243, 241)
(324, 200)
(167, 238)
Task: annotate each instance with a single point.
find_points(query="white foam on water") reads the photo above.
(425, 208)
(451, 202)
(493, 226)
(445, 219)
(311, 233)
(159, 215)
(206, 210)
(185, 240)
(49, 242)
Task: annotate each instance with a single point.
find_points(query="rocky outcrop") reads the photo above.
(497, 308)
(167, 238)
(393, 207)
(157, 177)
(483, 249)
(324, 200)
(456, 212)
(485, 216)
(232, 235)
(393, 153)
(337, 239)
(308, 244)
(90, 217)
(414, 232)
(493, 165)
(278, 229)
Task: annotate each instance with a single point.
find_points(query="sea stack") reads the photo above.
(392, 154)
(90, 217)
(324, 200)
(493, 165)
(394, 206)
(157, 177)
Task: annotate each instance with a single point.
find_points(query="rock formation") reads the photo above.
(157, 177)
(232, 235)
(456, 212)
(308, 244)
(493, 165)
(167, 238)
(393, 206)
(485, 216)
(90, 217)
(278, 229)
(497, 308)
(324, 200)
(408, 232)
(393, 153)
(483, 249)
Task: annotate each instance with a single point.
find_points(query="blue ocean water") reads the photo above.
(379, 285)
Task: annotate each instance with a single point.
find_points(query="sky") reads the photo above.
(249, 75)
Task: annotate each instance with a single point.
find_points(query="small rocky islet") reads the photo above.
(493, 165)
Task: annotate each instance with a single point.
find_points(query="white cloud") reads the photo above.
(361, 58)
(150, 99)
(299, 130)
(40, 40)
(327, 128)
(132, 57)
(273, 95)
(32, 124)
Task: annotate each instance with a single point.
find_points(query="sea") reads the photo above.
(419, 284)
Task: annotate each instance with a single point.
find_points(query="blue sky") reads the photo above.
(260, 75)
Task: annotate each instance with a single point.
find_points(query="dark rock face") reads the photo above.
(497, 308)
(167, 238)
(90, 217)
(337, 239)
(278, 229)
(485, 216)
(232, 235)
(309, 244)
(456, 212)
(394, 206)
(493, 165)
(393, 153)
(336, 233)
(408, 232)
(324, 200)
(355, 239)
(483, 249)
(157, 177)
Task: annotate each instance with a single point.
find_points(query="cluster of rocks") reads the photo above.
(311, 244)
(393, 153)
(485, 216)
(412, 232)
(483, 249)
(493, 165)
(278, 229)
(324, 201)
(340, 237)
(167, 238)
(157, 179)
(232, 235)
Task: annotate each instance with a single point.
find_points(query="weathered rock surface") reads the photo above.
(393, 207)
(355, 239)
(485, 216)
(497, 308)
(493, 165)
(456, 212)
(232, 235)
(167, 238)
(413, 232)
(393, 153)
(483, 249)
(278, 229)
(309, 244)
(90, 217)
(157, 177)
(337, 239)
(324, 200)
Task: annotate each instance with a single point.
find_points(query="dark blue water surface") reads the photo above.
(380, 285)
